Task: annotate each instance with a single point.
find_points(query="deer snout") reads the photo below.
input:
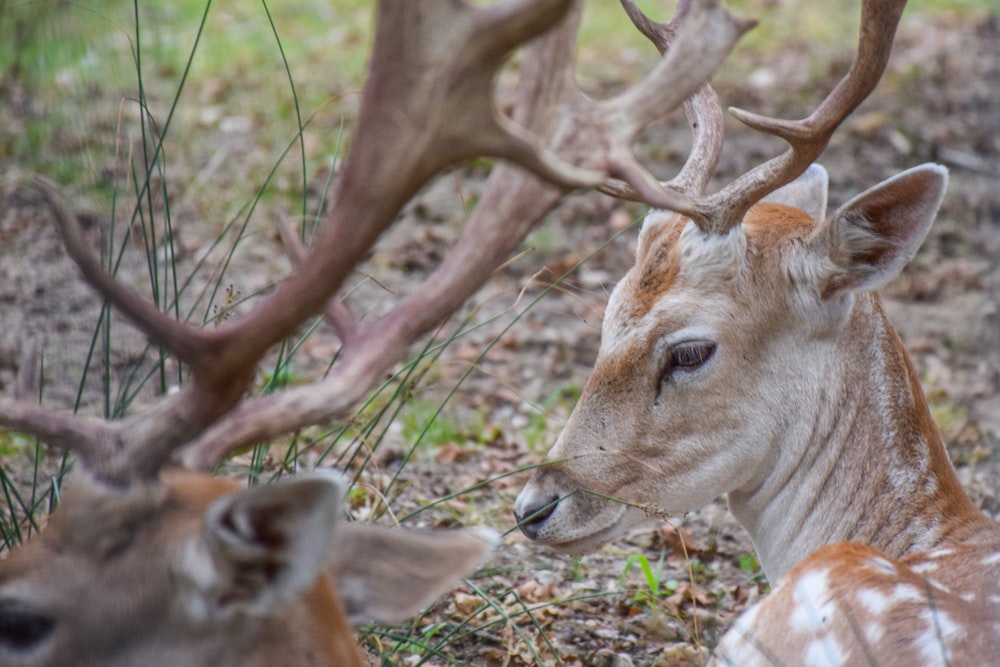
(533, 511)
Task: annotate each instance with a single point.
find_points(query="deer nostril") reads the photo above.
(530, 521)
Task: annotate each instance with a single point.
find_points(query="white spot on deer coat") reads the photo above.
(824, 652)
(813, 606)
(874, 632)
(873, 600)
(939, 586)
(934, 641)
(992, 560)
(908, 593)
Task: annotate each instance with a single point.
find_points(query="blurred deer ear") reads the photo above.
(265, 545)
(870, 239)
(389, 574)
(806, 193)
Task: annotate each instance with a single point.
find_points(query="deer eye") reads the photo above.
(687, 356)
(22, 630)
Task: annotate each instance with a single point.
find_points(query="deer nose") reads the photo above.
(532, 515)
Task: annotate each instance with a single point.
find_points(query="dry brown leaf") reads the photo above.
(450, 452)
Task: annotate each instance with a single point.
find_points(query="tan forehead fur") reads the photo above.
(661, 263)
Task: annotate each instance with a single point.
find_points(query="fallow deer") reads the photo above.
(147, 563)
(746, 353)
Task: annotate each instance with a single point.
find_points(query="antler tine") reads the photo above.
(336, 313)
(702, 110)
(188, 343)
(70, 433)
(807, 138)
(25, 383)
(660, 34)
(695, 27)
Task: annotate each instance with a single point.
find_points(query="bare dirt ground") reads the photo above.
(938, 103)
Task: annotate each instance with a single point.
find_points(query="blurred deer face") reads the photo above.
(194, 571)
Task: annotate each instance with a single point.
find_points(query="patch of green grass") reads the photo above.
(427, 423)
(14, 444)
(93, 74)
(949, 416)
(960, 8)
(750, 566)
(657, 585)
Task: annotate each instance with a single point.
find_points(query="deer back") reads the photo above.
(848, 604)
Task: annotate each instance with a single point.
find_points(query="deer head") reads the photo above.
(717, 349)
(144, 564)
(744, 323)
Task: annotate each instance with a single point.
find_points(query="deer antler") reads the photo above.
(808, 137)
(427, 104)
(702, 109)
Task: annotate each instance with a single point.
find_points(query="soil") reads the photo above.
(935, 104)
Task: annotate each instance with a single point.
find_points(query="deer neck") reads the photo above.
(862, 461)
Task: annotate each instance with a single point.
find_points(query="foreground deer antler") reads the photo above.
(401, 141)
(746, 354)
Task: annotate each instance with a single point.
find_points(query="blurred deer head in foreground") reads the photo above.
(145, 563)
(746, 353)
(194, 570)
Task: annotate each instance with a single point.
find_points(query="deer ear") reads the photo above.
(389, 574)
(871, 238)
(264, 545)
(806, 193)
